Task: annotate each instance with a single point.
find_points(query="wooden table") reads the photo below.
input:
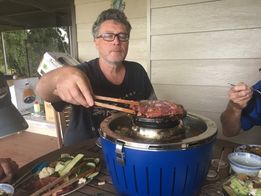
(90, 148)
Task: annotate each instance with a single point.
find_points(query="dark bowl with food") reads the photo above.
(251, 148)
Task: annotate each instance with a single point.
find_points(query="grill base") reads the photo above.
(159, 173)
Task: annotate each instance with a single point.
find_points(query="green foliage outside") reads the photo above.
(25, 49)
(118, 4)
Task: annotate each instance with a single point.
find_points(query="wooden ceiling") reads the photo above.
(27, 14)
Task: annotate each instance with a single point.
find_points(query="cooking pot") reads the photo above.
(144, 160)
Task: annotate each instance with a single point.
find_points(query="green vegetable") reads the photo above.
(65, 157)
(91, 164)
(238, 188)
(60, 165)
(94, 160)
(258, 192)
(91, 176)
(71, 164)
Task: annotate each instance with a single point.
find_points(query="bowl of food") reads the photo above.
(251, 148)
(245, 163)
(6, 189)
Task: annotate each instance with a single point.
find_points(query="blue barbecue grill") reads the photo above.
(157, 161)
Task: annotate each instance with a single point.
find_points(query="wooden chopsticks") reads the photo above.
(59, 183)
(73, 180)
(115, 100)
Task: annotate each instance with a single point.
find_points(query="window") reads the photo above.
(21, 51)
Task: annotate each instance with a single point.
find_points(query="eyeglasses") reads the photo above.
(109, 37)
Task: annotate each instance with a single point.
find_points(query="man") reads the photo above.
(8, 168)
(243, 110)
(109, 75)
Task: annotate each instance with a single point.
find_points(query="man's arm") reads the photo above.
(239, 95)
(69, 84)
(230, 120)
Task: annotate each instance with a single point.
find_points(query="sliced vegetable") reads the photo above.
(45, 172)
(60, 165)
(243, 185)
(91, 176)
(71, 164)
(91, 164)
(238, 188)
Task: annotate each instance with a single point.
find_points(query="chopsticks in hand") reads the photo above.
(115, 100)
(254, 90)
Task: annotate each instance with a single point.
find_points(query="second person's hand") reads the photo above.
(239, 95)
(8, 168)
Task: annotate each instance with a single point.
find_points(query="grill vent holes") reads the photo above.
(115, 170)
(135, 179)
(191, 175)
(186, 179)
(173, 181)
(124, 175)
(161, 181)
(148, 181)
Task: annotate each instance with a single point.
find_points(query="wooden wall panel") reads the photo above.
(197, 47)
(208, 45)
(136, 9)
(87, 51)
(205, 72)
(139, 28)
(88, 12)
(137, 49)
(84, 32)
(210, 16)
(194, 98)
(168, 3)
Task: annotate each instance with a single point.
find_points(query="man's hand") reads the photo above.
(69, 84)
(239, 95)
(74, 87)
(8, 168)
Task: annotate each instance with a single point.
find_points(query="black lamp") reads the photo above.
(11, 120)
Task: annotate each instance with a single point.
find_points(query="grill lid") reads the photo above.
(191, 130)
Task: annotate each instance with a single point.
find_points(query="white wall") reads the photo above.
(198, 47)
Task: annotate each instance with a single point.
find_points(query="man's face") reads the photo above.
(112, 52)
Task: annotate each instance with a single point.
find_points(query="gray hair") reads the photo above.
(110, 14)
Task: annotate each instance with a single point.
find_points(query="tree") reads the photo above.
(15, 51)
(41, 40)
(25, 48)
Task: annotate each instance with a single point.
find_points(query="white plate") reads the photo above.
(7, 188)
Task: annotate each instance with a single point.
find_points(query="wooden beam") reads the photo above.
(13, 22)
(33, 3)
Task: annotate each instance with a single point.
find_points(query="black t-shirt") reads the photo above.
(84, 122)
